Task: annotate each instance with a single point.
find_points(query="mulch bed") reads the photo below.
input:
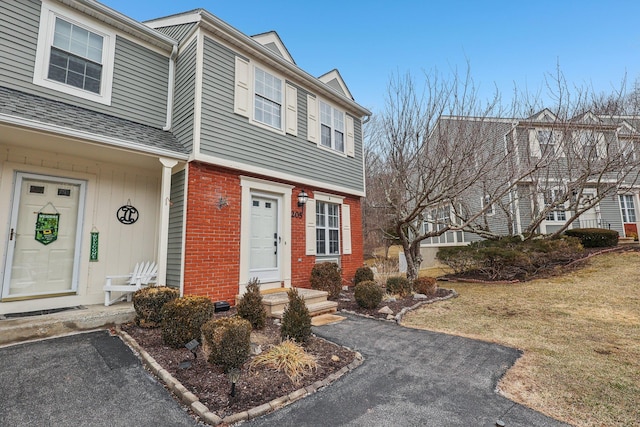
(257, 385)
(348, 303)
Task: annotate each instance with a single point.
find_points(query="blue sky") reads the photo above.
(506, 43)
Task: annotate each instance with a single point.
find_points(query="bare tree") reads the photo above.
(431, 147)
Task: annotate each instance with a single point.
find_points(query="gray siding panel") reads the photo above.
(185, 96)
(177, 32)
(231, 137)
(176, 214)
(140, 75)
(611, 214)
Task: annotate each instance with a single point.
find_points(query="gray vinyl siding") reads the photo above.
(176, 215)
(185, 92)
(611, 214)
(177, 32)
(229, 136)
(140, 75)
(524, 204)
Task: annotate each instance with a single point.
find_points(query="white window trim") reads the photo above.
(49, 12)
(244, 97)
(345, 243)
(314, 125)
(535, 149)
(492, 210)
(543, 203)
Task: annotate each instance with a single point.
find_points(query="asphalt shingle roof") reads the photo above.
(50, 112)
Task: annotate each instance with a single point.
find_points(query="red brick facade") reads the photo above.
(212, 246)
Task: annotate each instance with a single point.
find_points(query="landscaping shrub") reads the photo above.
(226, 342)
(148, 303)
(510, 258)
(368, 294)
(183, 317)
(250, 306)
(326, 276)
(288, 357)
(398, 285)
(363, 274)
(296, 320)
(594, 237)
(425, 285)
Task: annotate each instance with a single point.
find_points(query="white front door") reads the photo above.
(44, 237)
(265, 239)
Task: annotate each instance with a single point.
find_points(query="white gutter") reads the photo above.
(101, 139)
(170, 87)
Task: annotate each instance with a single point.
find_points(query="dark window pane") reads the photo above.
(75, 79)
(76, 64)
(58, 74)
(92, 85)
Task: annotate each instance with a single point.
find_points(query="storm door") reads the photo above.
(265, 242)
(43, 246)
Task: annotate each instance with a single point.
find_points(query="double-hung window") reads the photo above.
(331, 127)
(73, 55)
(327, 228)
(557, 213)
(76, 56)
(268, 99)
(547, 143)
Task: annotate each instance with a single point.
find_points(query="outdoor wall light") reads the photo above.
(302, 198)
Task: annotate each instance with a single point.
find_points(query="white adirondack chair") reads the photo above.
(143, 274)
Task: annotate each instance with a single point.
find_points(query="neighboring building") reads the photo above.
(604, 146)
(204, 135)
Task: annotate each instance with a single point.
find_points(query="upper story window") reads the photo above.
(547, 143)
(331, 127)
(327, 228)
(591, 144)
(74, 56)
(265, 98)
(268, 99)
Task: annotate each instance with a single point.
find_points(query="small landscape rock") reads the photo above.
(335, 358)
(391, 299)
(256, 349)
(385, 310)
(420, 297)
(390, 317)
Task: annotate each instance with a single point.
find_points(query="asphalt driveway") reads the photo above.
(89, 379)
(411, 378)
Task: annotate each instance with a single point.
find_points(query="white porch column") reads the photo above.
(163, 234)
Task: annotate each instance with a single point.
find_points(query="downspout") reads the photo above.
(170, 88)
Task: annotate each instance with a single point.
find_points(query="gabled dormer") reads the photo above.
(543, 116)
(334, 80)
(272, 41)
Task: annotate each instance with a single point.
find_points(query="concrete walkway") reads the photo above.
(89, 379)
(411, 378)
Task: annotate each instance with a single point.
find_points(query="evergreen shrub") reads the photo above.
(148, 303)
(398, 285)
(183, 317)
(368, 294)
(250, 306)
(226, 342)
(296, 320)
(326, 276)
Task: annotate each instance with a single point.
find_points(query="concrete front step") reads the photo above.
(275, 302)
(315, 309)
